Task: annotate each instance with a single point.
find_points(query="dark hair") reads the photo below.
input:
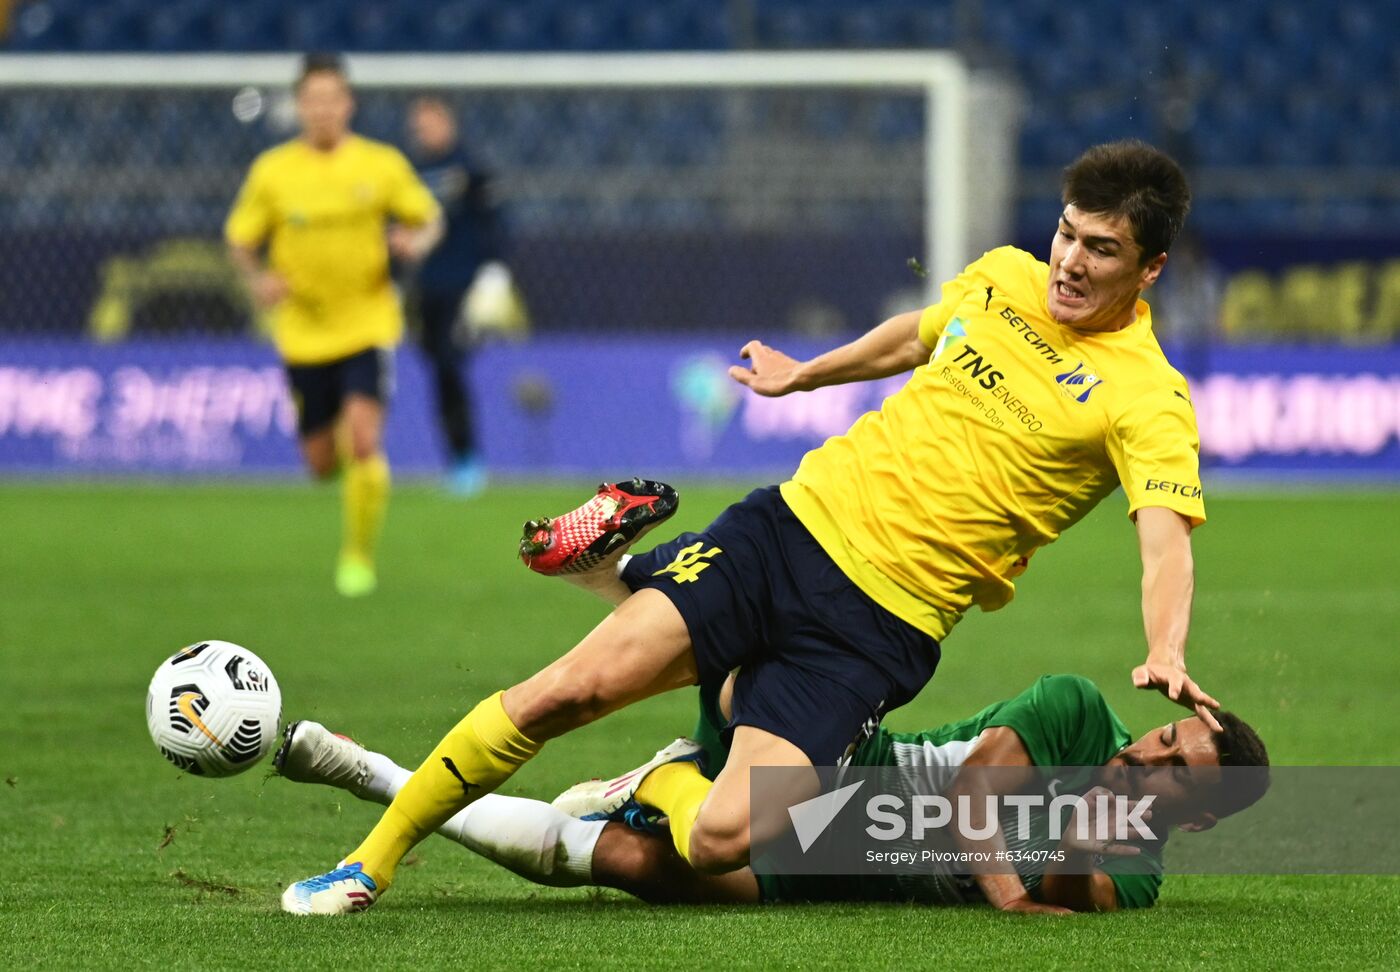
(1133, 180)
(321, 63)
(1247, 778)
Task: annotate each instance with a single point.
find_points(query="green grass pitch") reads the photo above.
(111, 858)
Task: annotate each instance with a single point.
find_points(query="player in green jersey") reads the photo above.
(1061, 720)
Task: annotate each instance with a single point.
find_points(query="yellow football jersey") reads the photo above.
(1013, 431)
(324, 216)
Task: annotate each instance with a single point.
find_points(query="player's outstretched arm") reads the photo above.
(886, 349)
(1164, 539)
(1073, 881)
(1000, 747)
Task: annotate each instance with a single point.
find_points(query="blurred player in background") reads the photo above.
(467, 260)
(330, 207)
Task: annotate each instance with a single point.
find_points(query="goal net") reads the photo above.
(685, 192)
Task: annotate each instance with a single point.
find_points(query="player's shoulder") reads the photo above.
(470, 162)
(1067, 689)
(1166, 372)
(280, 155)
(1011, 270)
(1174, 382)
(1008, 259)
(381, 152)
(1148, 379)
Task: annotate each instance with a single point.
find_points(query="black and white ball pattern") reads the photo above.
(213, 709)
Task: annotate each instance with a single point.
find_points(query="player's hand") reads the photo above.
(1173, 682)
(269, 289)
(1028, 906)
(1085, 820)
(405, 243)
(770, 373)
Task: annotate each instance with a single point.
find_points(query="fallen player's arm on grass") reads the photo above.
(890, 348)
(1075, 884)
(1093, 891)
(1074, 881)
(999, 747)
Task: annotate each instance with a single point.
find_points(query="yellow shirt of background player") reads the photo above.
(1014, 430)
(324, 216)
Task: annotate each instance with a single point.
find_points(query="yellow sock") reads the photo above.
(677, 790)
(478, 755)
(366, 494)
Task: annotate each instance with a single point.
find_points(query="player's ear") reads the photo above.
(1200, 824)
(1153, 269)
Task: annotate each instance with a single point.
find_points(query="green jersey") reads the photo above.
(1062, 720)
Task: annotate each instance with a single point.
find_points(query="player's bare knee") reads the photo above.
(717, 847)
(322, 468)
(318, 451)
(364, 445)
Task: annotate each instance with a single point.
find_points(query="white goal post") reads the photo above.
(967, 169)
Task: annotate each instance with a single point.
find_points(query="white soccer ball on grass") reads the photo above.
(213, 709)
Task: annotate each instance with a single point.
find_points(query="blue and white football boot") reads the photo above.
(344, 891)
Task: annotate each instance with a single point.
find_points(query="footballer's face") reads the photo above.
(1097, 271)
(324, 106)
(1177, 764)
(432, 126)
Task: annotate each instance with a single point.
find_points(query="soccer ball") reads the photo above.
(213, 709)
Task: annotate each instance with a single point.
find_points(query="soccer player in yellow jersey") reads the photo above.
(330, 207)
(1037, 389)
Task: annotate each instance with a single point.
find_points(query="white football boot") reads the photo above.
(311, 753)
(615, 799)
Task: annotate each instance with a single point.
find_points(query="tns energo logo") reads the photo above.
(1077, 384)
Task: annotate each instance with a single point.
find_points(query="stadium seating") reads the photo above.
(1295, 84)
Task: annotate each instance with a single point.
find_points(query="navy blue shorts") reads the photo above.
(820, 662)
(320, 390)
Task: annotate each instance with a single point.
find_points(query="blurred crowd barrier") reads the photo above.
(583, 406)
